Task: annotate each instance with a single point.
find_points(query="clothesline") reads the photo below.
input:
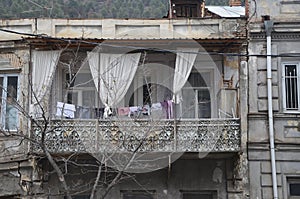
(160, 109)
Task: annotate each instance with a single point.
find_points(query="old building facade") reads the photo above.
(156, 105)
(273, 99)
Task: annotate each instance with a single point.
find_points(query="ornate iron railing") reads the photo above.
(94, 136)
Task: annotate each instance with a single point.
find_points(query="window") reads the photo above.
(138, 194)
(293, 187)
(199, 195)
(186, 10)
(196, 96)
(291, 87)
(9, 97)
(82, 93)
(82, 90)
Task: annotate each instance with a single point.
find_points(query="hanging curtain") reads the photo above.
(43, 68)
(185, 59)
(113, 74)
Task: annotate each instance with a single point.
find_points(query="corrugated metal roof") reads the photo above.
(227, 11)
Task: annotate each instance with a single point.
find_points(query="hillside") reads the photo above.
(10, 9)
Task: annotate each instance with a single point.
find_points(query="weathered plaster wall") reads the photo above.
(15, 166)
(285, 39)
(281, 10)
(185, 175)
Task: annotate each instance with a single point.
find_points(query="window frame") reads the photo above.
(4, 98)
(284, 90)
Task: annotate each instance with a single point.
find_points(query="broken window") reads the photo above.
(9, 97)
(291, 87)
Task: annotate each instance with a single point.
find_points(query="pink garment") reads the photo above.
(164, 106)
(123, 111)
(168, 108)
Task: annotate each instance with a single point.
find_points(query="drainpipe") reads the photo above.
(268, 28)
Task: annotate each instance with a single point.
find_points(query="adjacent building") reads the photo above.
(273, 142)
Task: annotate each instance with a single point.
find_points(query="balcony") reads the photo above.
(186, 135)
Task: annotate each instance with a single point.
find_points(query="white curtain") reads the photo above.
(43, 68)
(185, 59)
(113, 74)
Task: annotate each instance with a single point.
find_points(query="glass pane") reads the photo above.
(73, 97)
(198, 80)
(295, 189)
(204, 102)
(188, 103)
(196, 103)
(88, 98)
(82, 80)
(11, 100)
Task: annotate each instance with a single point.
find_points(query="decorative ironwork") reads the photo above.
(63, 136)
(94, 136)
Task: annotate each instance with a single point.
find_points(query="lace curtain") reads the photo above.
(43, 68)
(185, 59)
(113, 74)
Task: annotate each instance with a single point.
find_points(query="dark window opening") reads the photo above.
(138, 194)
(295, 189)
(291, 87)
(199, 195)
(186, 10)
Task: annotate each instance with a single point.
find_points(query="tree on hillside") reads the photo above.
(89, 8)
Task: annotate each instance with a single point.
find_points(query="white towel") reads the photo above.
(66, 110)
(156, 106)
